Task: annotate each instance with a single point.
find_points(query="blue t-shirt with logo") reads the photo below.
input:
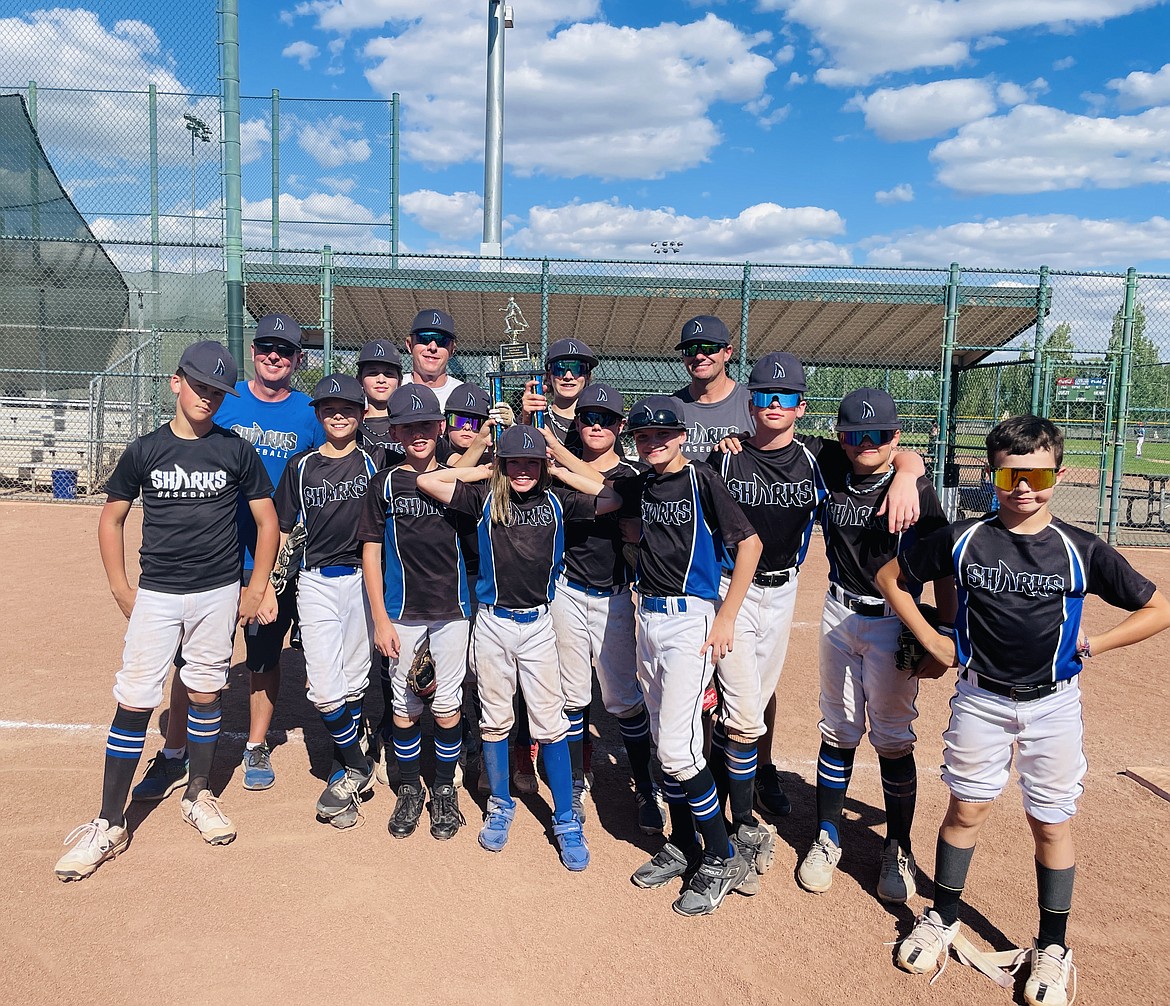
(277, 430)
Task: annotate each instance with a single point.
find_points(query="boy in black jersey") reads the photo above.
(416, 579)
(594, 617)
(567, 371)
(468, 425)
(190, 474)
(325, 489)
(1022, 577)
(380, 372)
(688, 520)
(521, 517)
(859, 637)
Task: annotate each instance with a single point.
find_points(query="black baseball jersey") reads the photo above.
(1021, 595)
(190, 490)
(688, 521)
(519, 562)
(779, 491)
(374, 436)
(329, 495)
(858, 542)
(425, 570)
(565, 430)
(709, 422)
(593, 551)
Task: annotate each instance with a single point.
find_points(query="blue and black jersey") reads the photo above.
(1021, 595)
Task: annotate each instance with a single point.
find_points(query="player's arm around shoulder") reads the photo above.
(112, 548)
(440, 483)
(903, 503)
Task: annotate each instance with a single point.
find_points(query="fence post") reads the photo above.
(950, 320)
(1106, 433)
(395, 147)
(1122, 399)
(745, 294)
(155, 299)
(275, 176)
(33, 165)
(233, 243)
(544, 287)
(327, 307)
(1037, 351)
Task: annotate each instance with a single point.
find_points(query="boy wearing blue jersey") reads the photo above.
(1022, 577)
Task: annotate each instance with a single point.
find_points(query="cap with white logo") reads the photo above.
(601, 396)
(380, 351)
(469, 400)
(414, 403)
(433, 320)
(211, 363)
(282, 327)
(778, 372)
(521, 441)
(570, 349)
(704, 328)
(339, 387)
(867, 409)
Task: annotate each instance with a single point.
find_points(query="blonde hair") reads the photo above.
(501, 491)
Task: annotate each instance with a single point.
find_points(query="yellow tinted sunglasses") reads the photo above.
(1038, 479)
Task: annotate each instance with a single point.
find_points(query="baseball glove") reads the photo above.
(421, 679)
(288, 559)
(911, 652)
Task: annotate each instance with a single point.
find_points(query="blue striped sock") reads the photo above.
(834, 770)
(741, 774)
(576, 739)
(636, 737)
(704, 802)
(124, 744)
(203, 722)
(339, 722)
(407, 749)
(448, 747)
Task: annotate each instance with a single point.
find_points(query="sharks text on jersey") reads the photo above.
(755, 491)
(284, 441)
(328, 492)
(181, 483)
(1001, 578)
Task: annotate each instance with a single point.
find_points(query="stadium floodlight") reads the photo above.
(666, 247)
(201, 131)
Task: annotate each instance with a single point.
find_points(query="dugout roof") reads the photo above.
(820, 321)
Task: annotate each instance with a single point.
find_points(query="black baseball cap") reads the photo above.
(211, 363)
(657, 412)
(704, 328)
(339, 386)
(380, 351)
(778, 370)
(469, 400)
(433, 320)
(278, 326)
(601, 396)
(521, 441)
(570, 349)
(867, 409)
(414, 403)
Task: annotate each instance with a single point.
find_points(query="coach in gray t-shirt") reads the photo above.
(714, 406)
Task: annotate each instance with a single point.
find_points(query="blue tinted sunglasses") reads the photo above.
(785, 399)
(568, 368)
(440, 339)
(854, 438)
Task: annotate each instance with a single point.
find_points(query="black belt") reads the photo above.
(1017, 693)
(870, 609)
(584, 588)
(777, 579)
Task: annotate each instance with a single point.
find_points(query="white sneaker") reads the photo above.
(819, 864)
(1047, 985)
(93, 843)
(896, 874)
(928, 940)
(204, 815)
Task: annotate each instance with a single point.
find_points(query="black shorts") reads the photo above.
(265, 643)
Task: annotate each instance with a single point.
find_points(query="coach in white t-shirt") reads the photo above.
(431, 345)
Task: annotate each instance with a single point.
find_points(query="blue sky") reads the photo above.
(906, 132)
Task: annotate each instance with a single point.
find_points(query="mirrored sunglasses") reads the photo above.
(785, 399)
(855, 438)
(1038, 479)
(569, 368)
(693, 349)
(663, 418)
(598, 417)
(440, 339)
(455, 421)
(283, 348)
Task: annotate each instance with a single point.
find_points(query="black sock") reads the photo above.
(717, 761)
(900, 789)
(387, 696)
(203, 720)
(701, 795)
(124, 744)
(950, 877)
(834, 770)
(636, 737)
(407, 748)
(523, 734)
(355, 706)
(1054, 890)
(576, 719)
(448, 744)
(346, 749)
(586, 740)
(741, 778)
(682, 821)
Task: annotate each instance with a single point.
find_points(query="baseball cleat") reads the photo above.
(770, 795)
(446, 817)
(407, 811)
(715, 878)
(928, 941)
(204, 815)
(163, 776)
(524, 777)
(896, 874)
(344, 794)
(756, 844)
(820, 862)
(571, 841)
(93, 843)
(497, 822)
(1047, 985)
(579, 790)
(668, 863)
(651, 820)
(257, 766)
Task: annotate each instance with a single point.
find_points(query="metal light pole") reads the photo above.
(499, 18)
(198, 129)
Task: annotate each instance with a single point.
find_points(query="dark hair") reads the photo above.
(1023, 435)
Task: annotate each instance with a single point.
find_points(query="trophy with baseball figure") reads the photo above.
(515, 361)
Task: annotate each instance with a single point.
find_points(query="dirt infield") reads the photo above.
(295, 912)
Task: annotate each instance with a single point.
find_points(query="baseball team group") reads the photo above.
(394, 519)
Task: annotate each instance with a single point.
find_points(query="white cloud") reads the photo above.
(763, 232)
(795, 79)
(453, 216)
(1067, 63)
(1062, 241)
(347, 16)
(1011, 94)
(920, 111)
(327, 142)
(303, 52)
(254, 137)
(1034, 148)
(785, 54)
(903, 193)
(1140, 88)
(335, 184)
(318, 218)
(866, 39)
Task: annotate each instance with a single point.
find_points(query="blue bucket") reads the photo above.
(64, 483)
